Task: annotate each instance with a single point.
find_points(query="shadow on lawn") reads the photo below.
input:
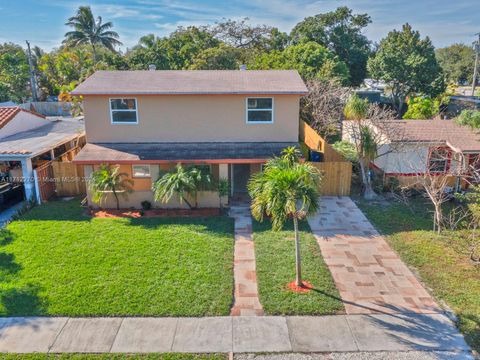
(23, 300)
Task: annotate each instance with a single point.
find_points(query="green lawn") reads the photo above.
(57, 261)
(275, 256)
(441, 260)
(172, 356)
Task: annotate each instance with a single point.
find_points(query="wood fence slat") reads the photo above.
(337, 177)
(68, 179)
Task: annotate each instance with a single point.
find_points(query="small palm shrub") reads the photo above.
(108, 179)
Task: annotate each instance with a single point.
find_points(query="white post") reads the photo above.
(28, 179)
(37, 187)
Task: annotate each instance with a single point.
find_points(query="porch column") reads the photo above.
(223, 174)
(28, 182)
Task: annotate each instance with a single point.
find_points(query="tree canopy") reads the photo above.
(341, 32)
(457, 62)
(407, 63)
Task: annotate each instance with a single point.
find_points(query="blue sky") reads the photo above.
(42, 22)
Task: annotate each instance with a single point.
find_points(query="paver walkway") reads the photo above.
(369, 275)
(246, 301)
(238, 334)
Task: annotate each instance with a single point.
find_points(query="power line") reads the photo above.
(476, 46)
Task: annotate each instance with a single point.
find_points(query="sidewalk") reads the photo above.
(239, 334)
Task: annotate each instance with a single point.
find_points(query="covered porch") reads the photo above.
(236, 162)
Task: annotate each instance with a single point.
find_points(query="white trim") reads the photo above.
(122, 110)
(37, 188)
(260, 122)
(142, 176)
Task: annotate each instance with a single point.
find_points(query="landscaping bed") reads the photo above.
(275, 257)
(56, 260)
(171, 356)
(441, 260)
(128, 213)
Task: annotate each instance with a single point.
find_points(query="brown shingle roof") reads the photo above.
(178, 82)
(8, 113)
(461, 138)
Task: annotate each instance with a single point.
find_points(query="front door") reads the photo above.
(241, 175)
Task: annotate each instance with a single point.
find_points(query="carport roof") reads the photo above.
(39, 140)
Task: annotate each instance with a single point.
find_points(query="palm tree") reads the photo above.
(356, 110)
(286, 190)
(87, 30)
(107, 179)
(183, 182)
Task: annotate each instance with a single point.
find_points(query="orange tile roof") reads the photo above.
(8, 113)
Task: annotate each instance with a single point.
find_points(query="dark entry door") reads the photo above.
(241, 174)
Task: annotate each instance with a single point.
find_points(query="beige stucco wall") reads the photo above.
(191, 118)
(142, 191)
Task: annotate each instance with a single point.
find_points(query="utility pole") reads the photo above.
(476, 46)
(33, 82)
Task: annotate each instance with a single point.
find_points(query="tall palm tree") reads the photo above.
(286, 190)
(88, 30)
(109, 179)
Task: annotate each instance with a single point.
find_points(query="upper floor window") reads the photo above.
(259, 110)
(123, 111)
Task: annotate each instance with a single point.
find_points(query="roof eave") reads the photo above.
(98, 93)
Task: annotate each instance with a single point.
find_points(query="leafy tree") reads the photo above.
(457, 62)
(408, 64)
(88, 30)
(150, 50)
(310, 59)
(341, 32)
(241, 34)
(223, 57)
(184, 182)
(186, 44)
(347, 149)
(14, 73)
(469, 118)
(108, 179)
(286, 189)
(422, 108)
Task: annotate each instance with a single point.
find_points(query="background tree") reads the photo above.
(108, 179)
(14, 73)
(184, 182)
(469, 118)
(322, 107)
(408, 64)
(88, 30)
(286, 189)
(457, 62)
(341, 32)
(310, 59)
(366, 127)
(422, 107)
(222, 57)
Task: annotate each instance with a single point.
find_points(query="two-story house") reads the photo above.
(228, 121)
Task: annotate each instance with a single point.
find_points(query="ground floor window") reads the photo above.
(141, 171)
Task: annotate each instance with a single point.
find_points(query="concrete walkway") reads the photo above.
(238, 334)
(369, 275)
(246, 301)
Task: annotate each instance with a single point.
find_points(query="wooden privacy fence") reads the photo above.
(69, 179)
(315, 142)
(337, 177)
(44, 180)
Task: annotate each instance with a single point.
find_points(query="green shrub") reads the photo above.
(422, 108)
(347, 149)
(469, 118)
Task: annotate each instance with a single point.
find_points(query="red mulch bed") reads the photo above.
(305, 288)
(128, 213)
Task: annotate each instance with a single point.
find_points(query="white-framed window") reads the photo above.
(123, 111)
(141, 171)
(204, 168)
(259, 110)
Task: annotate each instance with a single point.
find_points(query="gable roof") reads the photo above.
(8, 113)
(192, 82)
(460, 138)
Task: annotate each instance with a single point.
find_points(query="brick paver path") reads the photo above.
(369, 275)
(246, 300)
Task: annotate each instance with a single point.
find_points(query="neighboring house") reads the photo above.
(229, 122)
(440, 147)
(29, 140)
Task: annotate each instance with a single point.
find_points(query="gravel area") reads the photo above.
(379, 355)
